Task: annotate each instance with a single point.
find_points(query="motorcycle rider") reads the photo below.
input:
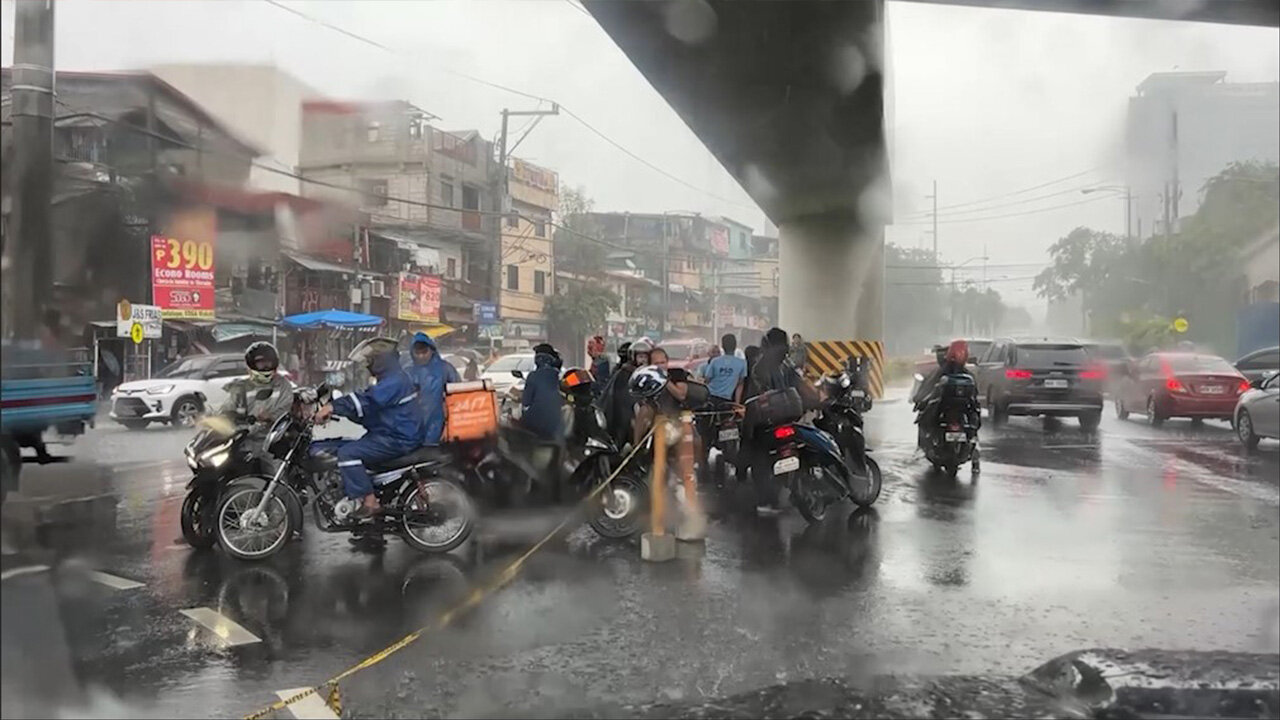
(774, 371)
(431, 373)
(541, 402)
(262, 397)
(953, 361)
(616, 400)
(390, 413)
(599, 364)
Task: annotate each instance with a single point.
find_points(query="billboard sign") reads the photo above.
(417, 298)
(138, 321)
(484, 312)
(182, 277)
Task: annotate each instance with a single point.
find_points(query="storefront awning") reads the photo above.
(435, 330)
(332, 319)
(311, 263)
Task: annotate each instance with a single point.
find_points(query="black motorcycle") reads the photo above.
(422, 494)
(949, 418)
(806, 460)
(845, 399)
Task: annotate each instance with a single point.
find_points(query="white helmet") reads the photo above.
(647, 382)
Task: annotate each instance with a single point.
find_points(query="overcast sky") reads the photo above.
(986, 101)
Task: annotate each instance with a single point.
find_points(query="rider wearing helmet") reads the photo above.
(390, 413)
(616, 400)
(262, 397)
(540, 401)
(954, 361)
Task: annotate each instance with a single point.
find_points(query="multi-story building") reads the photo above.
(1186, 127)
(527, 259)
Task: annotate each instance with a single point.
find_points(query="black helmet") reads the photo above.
(263, 360)
(647, 382)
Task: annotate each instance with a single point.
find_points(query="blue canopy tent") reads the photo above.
(337, 319)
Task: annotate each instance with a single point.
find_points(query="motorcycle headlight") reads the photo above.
(845, 381)
(218, 459)
(191, 461)
(216, 455)
(160, 390)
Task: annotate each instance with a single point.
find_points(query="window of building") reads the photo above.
(374, 192)
(415, 128)
(374, 131)
(446, 191)
(513, 277)
(539, 282)
(540, 229)
(513, 221)
(451, 268)
(470, 198)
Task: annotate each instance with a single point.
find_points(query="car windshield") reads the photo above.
(1199, 364)
(1051, 355)
(188, 367)
(509, 363)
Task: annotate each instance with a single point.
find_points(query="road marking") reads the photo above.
(114, 582)
(27, 570)
(224, 627)
(311, 707)
(1090, 446)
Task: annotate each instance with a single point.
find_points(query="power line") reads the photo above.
(521, 93)
(1024, 201)
(1009, 215)
(948, 283)
(1016, 192)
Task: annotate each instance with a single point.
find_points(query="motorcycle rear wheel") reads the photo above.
(811, 504)
(621, 508)
(444, 492)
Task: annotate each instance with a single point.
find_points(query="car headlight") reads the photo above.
(160, 390)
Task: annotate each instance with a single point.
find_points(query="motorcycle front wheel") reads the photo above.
(621, 508)
(248, 535)
(866, 489)
(199, 520)
(438, 514)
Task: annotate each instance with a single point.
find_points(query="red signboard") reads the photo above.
(418, 298)
(182, 277)
(718, 237)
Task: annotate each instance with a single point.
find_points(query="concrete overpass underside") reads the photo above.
(790, 96)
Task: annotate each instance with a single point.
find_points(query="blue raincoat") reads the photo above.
(392, 417)
(541, 401)
(431, 378)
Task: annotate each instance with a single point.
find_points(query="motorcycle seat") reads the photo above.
(423, 455)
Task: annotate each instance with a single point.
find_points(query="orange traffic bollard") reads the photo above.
(693, 526)
(658, 485)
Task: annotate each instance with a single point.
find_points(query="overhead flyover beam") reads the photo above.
(789, 97)
(1263, 13)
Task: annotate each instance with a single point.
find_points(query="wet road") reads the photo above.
(1137, 537)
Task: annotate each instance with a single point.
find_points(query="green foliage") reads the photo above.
(581, 310)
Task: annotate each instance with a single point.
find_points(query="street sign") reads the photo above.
(484, 312)
(138, 321)
(1181, 325)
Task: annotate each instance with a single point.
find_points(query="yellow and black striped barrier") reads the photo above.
(828, 356)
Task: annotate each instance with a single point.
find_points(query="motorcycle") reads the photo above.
(419, 492)
(845, 399)
(806, 460)
(951, 438)
(216, 455)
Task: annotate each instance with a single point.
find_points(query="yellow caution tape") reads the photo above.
(333, 699)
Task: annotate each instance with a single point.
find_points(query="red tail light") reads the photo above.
(1013, 374)
(1172, 385)
(1244, 387)
(1094, 373)
(784, 432)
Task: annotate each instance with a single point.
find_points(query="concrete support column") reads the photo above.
(831, 279)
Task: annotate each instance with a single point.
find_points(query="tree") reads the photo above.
(914, 310)
(580, 310)
(575, 249)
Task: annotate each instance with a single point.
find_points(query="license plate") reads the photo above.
(1055, 383)
(858, 393)
(1213, 389)
(786, 465)
(729, 434)
(954, 437)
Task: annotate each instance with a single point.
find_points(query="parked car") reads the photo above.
(1257, 412)
(1259, 363)
(1041, 376)
(180, 393)
(683, 353)
(1180, 384)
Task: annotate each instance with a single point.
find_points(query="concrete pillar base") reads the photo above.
(657, 548)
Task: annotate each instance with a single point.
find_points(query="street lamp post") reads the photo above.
(953, 287)
(1128, 204)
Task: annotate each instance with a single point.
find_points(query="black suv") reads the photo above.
(1042, 376)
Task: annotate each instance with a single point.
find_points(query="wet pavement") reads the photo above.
(1134, 538)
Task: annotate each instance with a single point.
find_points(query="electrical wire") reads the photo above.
(1015, 203)
(1015, 192)
(1009, 215)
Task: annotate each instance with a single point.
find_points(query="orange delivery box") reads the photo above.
(471, 410)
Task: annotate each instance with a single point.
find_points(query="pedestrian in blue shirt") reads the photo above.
(725, 372)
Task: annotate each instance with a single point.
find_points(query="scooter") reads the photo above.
(951, 439)
(845, 399)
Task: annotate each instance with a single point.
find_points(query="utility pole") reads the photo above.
(666, 281)
(33, 85)
(502, 198)
(934, 198)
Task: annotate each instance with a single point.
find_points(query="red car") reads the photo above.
(1171, 384)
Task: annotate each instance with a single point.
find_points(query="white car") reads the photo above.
(499, 371)
(179, 394)
(1257, 413)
